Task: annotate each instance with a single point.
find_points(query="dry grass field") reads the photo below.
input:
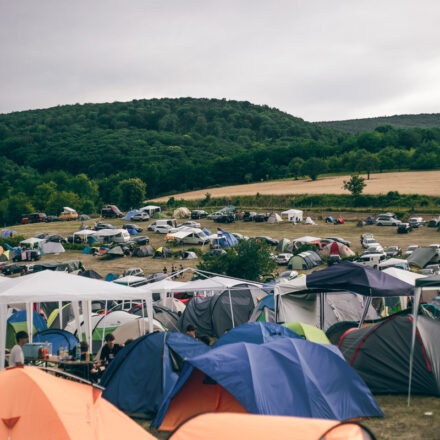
(418, 182)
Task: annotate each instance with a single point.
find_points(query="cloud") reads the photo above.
(318, 60)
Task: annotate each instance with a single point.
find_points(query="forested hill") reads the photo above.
(86, 155)
(354, 126)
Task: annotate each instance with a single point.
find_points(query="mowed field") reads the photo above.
(419, 182)
(420, 421)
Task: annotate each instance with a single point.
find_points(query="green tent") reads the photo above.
(308, 332)
(283, 245)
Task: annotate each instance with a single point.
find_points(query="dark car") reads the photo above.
(35, 217)
(404, 228)
(52, 218)
(225, 218)
(248, 216)
(370, 220)
(140, 239)
(198, 213)
(132, 226)
(259, 218)
(340, 240)
(393, 251)
(100, 225)
(111, 211)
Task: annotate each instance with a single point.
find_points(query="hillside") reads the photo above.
(124, 152)
(354, 126)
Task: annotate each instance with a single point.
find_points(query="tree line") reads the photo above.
(86, 155)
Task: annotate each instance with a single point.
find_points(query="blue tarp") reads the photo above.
(20, 316)
(8, 232)
(58, 338)
(285, 377)
(130, 214)
(145, 371)
(256, 333)
(111, 277)
(132, 231)
(207, 231)
(230, 239)
(360, 279)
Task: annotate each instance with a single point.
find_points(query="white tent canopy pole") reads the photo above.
(30, 321)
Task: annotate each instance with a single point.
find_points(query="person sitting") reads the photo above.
(110, 349)
(190, 330)
(16, 358)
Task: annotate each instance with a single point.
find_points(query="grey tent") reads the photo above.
(305, 260)
(421, 257)
(117, 251)
(91, 274)
(52, 247)
(167, 317)
(220, 312)
(84, 217)
(283, 245)
(380, 354)
(143, 251)
(189, 255)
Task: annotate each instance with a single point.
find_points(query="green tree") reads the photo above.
(42, 194)
(58, 200)
(313, 167)
(368, 162)
(131, 193)
(249, 260)
(17, 206)
(355, 185)
(295, 167)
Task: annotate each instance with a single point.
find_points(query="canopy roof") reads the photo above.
(404, 275)
(431, 282)
(48, 285)
(352, 277)
(307, 239)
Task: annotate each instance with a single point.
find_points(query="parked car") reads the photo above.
(52, 218)
(269, 240)
(288, 275)
(68, 214)
(164, 229)
(436, 247)
(189, 224)
(140, 217)
(371, 259)
(411, 249)
(370, 220)
(171, 222)
(111, 211)
(416, 222)
(215, 215)
(368, 242)
(99, 225)
(387, 220)
(140, 240)
(435, 268)
(393, 251)
(132, 226)
(340, 240)
(134, 272)
(404, 228)
(198, 213)
(248, 216)
(260, 217)
(374, 249)
(283, 259)
(225, 218)
(434, 222)
(35, 217)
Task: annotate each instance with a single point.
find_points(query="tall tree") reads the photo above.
(355, 185)
(131, 193)
(313, 167)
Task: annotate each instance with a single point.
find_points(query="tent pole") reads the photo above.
(103, 331)
(321, 310)
(150, 311)
(143, 304)
(3, 330)
(365, 311)
(417, 294)
(30, 320)
(60, 314)
(275, 303)
(232, 311)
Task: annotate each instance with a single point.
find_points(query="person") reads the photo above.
(84, 348)
(16, 359)
(190, 330)
(173, 269)
(110, 349)
(128, 341)
(165, 270)
(181, 271)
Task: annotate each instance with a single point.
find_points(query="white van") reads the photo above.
(162, 222)
(372, 260)
(107, 236)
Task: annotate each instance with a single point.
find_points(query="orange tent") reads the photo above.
(220, 426)
(36, 405)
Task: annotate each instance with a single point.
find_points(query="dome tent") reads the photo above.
(182, 213)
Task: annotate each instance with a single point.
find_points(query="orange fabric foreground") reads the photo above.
(221, 426)
(196, 397)
(36, 405)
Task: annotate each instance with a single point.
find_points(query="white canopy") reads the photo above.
(85, 232)
(306, 239)
(110, 232)
(404, 275)
(209, 284)
(293, 214)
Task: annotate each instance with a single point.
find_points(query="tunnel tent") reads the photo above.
(143, 251)
(283, 245)
(304, 261)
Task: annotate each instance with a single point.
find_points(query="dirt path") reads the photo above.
(420, 182)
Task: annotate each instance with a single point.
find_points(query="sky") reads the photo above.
(316, 59)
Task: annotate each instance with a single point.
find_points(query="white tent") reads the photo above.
(293, 215)
(306, 239)
(150, 209)
(309, 221)
(53, 286)
(182, 212)
(274, 218)
(34, 243)
(51, 247)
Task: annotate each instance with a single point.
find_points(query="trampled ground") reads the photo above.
(421, 182)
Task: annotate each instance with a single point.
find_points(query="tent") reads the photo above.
(161, 355)
(90, 274)
(336, 248)
(221, 426)
(421, 256)
(182, 213)
(308, 332)
(311, 380)
(19, 321)
(51, 247)
(189, 255)
(215, 314)
(33, 243)
(143, 251)
(304, 261)
(162, 252)
(293, 215)
(115, 252)
(309, 221)
(58, 338)
(166, 317)
(39, 406)
(274, 218)
(53, 320)
(8, 233)
(84, 217)
(284, 245)
(380, 353)
(255, 333)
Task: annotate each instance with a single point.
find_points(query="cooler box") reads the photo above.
(30, 350)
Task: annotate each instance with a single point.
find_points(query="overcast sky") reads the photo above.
(316, 59)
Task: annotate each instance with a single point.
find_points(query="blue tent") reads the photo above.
(207, 231)
(132, 231)
(289, 377)
(130, 214)
(58, 338)
(19, 319)
(256, 333)
(145, 371)
(8, 232)
(356, 278)
(230, 239)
